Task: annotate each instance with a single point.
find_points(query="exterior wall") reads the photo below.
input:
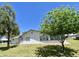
(15, 41)
(31, 36)
(35, 36)
(25, 36)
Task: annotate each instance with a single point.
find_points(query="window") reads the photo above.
(43, 38)
(54, 37)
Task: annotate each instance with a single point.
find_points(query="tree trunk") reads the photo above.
(62, 42)
(62, 46)
(8, 42)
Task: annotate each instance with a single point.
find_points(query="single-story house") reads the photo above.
(14, 40)
(33, 36)
(3, 39)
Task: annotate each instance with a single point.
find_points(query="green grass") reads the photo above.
(74, 44)
(33, 50)
(20, 50)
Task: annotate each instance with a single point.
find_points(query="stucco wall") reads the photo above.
(33, 36)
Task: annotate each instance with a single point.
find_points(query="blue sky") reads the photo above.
(29, 14)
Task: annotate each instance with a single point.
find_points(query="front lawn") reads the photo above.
(18, 50)
(74, 44)
(32, 50)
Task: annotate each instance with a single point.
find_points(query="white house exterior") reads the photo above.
(3, 39)
(32, 37)
(14, 40)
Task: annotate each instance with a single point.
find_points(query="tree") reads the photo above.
(61, 21)
(8, 25)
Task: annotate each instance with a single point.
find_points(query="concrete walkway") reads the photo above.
(52, 42)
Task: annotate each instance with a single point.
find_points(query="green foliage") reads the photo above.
(62, 20)
(7, 20)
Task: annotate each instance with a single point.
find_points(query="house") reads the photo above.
(73, 35)
(14, 40)
(34, 36)
(3, 39)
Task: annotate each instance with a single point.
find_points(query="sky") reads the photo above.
(30, 14)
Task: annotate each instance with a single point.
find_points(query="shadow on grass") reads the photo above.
(55, 51)
(5, 48)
